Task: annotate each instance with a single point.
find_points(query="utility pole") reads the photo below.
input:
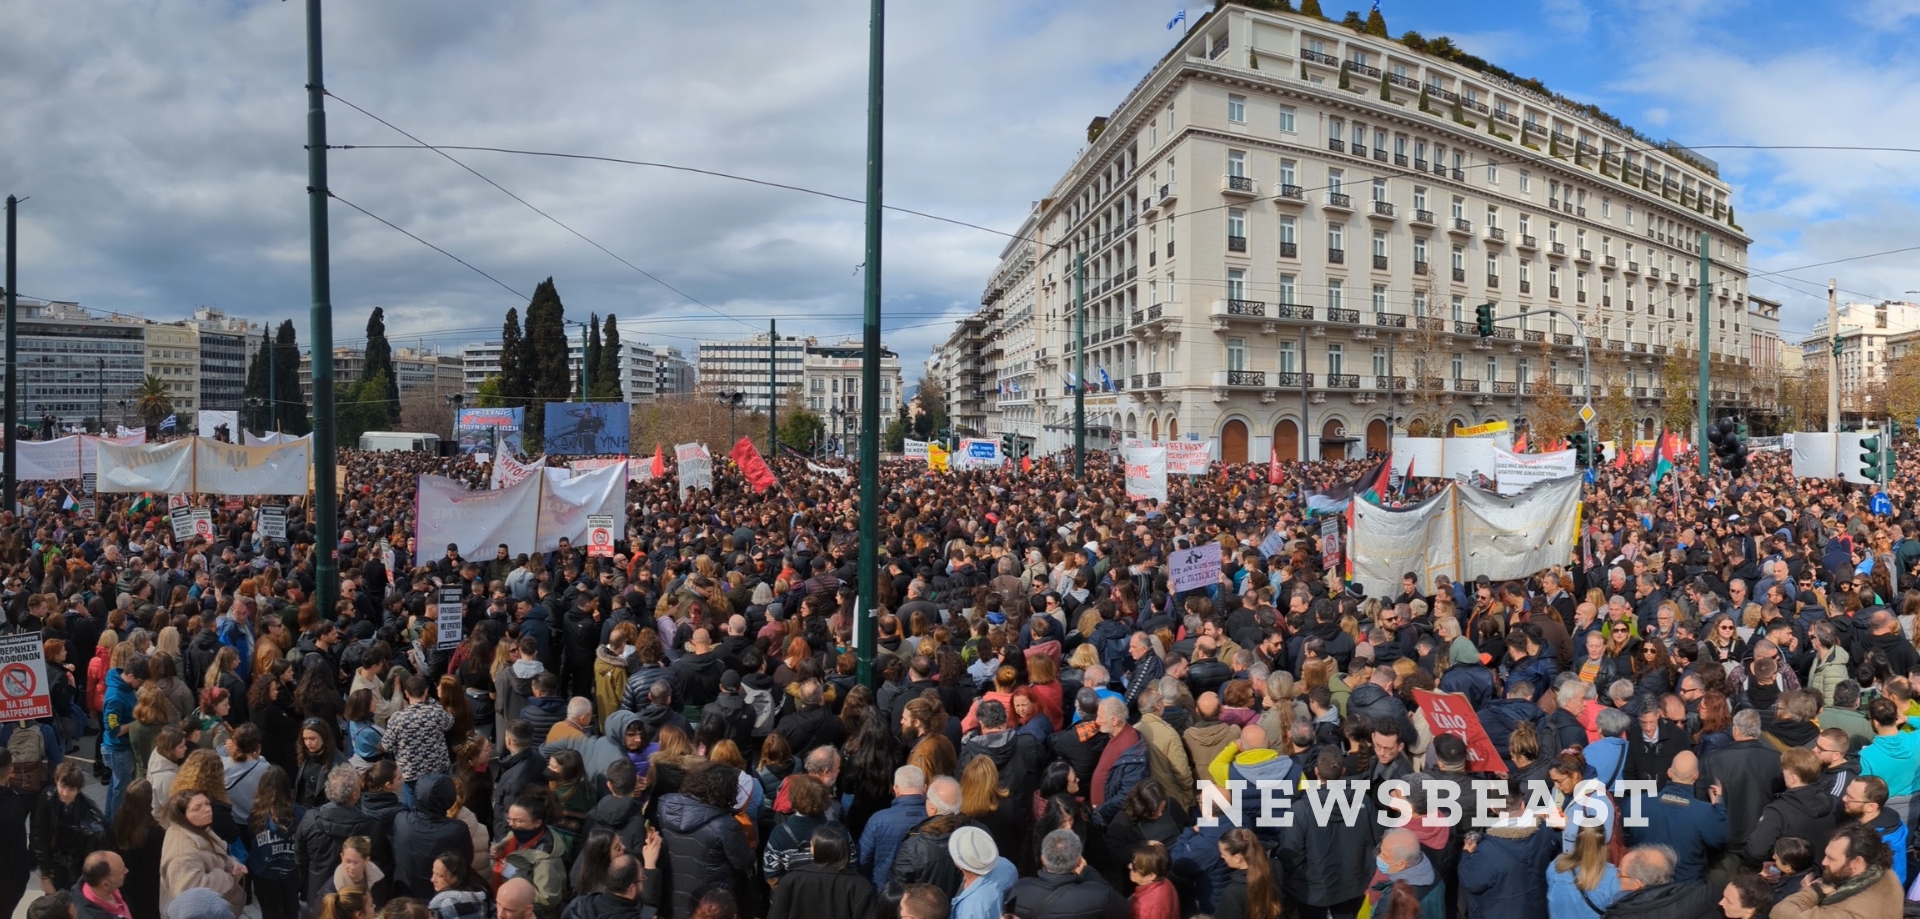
(100, 396)
(1305, 405)
(1700, 397)
(773, 389)
(1832, 352)
(1080, 365)
(870, 353)
(13, 372)
(326, 543)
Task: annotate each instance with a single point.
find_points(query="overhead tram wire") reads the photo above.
(530, 206)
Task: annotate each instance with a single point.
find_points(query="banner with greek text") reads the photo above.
(694, 465)
(916, 449)
(47, 460)
(231, 469)
(1184, 457)
(163, 468)
(508, 471)
(1146, 473)
(90, 448)
(1516, 472)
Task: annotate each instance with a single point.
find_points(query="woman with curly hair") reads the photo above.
(269, 708)
(203, 772)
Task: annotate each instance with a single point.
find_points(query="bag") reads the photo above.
(764, 706)
(547, 872)
(29, 751)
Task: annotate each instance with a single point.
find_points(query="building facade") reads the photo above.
(825, 377)
(675, 376)
(173, 358)
(227, 343)
(73, 365)
(740, 366)
(638, 379)
(1286, 228)
(1870, 337)
(832, 379)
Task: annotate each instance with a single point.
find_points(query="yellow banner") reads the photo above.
(1491, 427)
(936, 458)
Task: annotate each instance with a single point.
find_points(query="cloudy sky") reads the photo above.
(161, 143)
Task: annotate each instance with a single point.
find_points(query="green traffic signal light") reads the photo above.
(1483, 315)
(1870, 456)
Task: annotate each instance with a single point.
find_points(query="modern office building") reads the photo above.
(675, 376)
(227, 344)
(74, 365)
(826, 376)
(1871, 336)
(1286, 227)
(638, 381)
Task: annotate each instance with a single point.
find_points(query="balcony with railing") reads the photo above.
(1396, 383)
(1610, 262)
(1420, 268)
(1496, 235)
(1459, 175)
(1316, 57)
(1465, 385)
(1423, 216)
(1236, 244)
(1336, 145)
(1580, 296)
(1563, 338)
(1585, 255)
(1460, 275)
(1243, 186)
(1336, 256)
(1238, 309)
(1534, 335)
(1299, 311)
(1383, 209)
(1343, 381)
(1430, 323)
(1293, 379)
(1390, 320)
(1289, 250)
(1403, 81)
(1493, 282)
(1553, 292)
(1557, 249)
(1506, 117)
(1639, 347)
(1339, 314)
(1339, 200)
(1358, 149)
(1379, 263)
(1633, 267)
(1241, 378)
(1462, 225)
(1526, 287)
(1653, 273)
(1419, 165)
(1528, 242)
(1168, 193)
(1400, 159)
(1506, 387)
(1293, 193)
(1357, 67)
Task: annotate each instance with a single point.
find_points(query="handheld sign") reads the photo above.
(1330, 542)
(24, 692)
(449, 620)
(600, 535)
(273, 521)
(1449, 713)
(1195, 567)
(202, 523)
(182, 518)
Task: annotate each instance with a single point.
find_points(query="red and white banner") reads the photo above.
(1146, 473)
(1449, 713)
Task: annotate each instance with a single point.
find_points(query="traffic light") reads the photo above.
(1582, 448)
(1483, 317)
(1836, 346)
(1870, 458)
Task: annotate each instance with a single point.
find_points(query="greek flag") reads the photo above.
(170, 423)
(1177, 19)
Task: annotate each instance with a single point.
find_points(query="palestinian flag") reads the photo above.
(145, 501)
(1334, 499)
(69, 504)
(1668, 450)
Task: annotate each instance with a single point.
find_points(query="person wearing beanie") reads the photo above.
(199, 903)
(985, 877)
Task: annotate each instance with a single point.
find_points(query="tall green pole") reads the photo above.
(326, 563)
(13, 372)
(772, 390)
(1700, 436)
(1080, 365)
(870, 354)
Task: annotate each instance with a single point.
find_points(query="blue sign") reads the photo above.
(1881, 505)
(490, 430)
(1272, 545)
(983, 450)
(586, 428)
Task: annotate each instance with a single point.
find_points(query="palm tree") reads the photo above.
(154, 404)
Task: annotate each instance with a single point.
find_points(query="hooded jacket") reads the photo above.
(601, 750)
(317, 842)
(696, 678)
(513, 688)
(1500, 717)
(421, 834)
(1806, 812)
(1376, 703)
(705, 847)
(543, 713)
(1505, 874)
(623, 816)
(1894, 758)
(923, 857)
(1016, 754)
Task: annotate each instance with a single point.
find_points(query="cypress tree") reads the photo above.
(1311, 8)
(513, 374)
(590, 360)
(291, 414)
(379, 365)
(1376, 23)
(545, 347)
(607, 373)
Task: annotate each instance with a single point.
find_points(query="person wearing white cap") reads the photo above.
(985, 877)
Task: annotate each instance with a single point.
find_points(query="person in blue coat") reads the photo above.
(1503, 873)
(1678, 819)
(1580, 884)
(1466, 675)
(1198, 870)
(886, 829)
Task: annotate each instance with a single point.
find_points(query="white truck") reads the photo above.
(400, 441)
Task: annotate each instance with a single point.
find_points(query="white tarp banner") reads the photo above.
(476, 521)
(1465, 533)
(209, 420)
(231, 469)
(916, 449)
(48, 460)
(272, 437)
(508, 471)
(1146, 473)
(1813, 455)
(828, 470)
(1519, 471)
(694, 466)
(567, 503)
(1425, 457)
(1469, 459)
(162, 468)
(976, 454)
(1190, 569)
(1184, 457)
(90, 448)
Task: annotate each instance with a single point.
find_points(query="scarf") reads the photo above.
(1854, 885)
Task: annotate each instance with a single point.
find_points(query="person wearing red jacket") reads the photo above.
(97, 671)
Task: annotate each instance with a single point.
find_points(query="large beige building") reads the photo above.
(1286, 221)
(173, 357)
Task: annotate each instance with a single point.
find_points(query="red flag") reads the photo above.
(1273, 469)
(1520, 446)
(758, 473)
(659, 461)
(1620, 456)
(1669, 445)
(1026, 464)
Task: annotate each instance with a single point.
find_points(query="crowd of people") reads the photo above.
(1708, 710)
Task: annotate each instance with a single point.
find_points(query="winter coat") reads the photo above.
(610, 672)
(459, 904)
(1017, 756)
(161, 772)
(1749, 775)
(1880, 899)
(885, 830)
(1128, 769)
(1080, 746)
(512, 775)
(1566, 899)
(1375, 703)
(696, 678)
(1827, 672)
(816, 890)
(318, 841)
(1678, 900)
(542, 714)
(310, 784)
(1326, 865)
(190, 859)
(1501, 716)
(1167, 759)
(923, 857)
(1691, 827)
(1505, 875)
(513, 689)
(812, 727)
(421, 834)
(704, 847)
(1065, 896)
(621, 815)
(63, 834)
(1807, 812)
(1197, 864)
(385, 809)
(1471, 680)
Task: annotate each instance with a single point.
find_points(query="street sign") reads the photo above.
(600, 535)
(24, 692)
(449, 620)
(1586, 413)
(1881, 505)
(273, 521)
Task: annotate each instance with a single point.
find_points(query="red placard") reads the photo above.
(1449, 713)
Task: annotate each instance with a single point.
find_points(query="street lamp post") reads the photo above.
(100, 395)
(454, 401)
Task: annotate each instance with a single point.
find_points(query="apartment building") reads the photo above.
(1870, 337)
(638, 378)
(173, 358)
(827, 378)
(1286, 227)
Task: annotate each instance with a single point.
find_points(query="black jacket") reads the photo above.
(1749, 773)
(1205, 676)
(1081, 746)
(319, 838)
(1679, 900)
(1650, 759)
(603, 905)
(696, 678)
(812, 727)
(731, 708)
(923, 856)
(384, 807)
(63, 834)
(704, 847)
(816, 890)
(542, 713)
(1066, 896)
(1330, 864)
(512, 775)
(621, 815)
(1017, 755)
(1808, 812)
(422, 834)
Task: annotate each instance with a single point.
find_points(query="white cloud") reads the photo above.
(1570, 16)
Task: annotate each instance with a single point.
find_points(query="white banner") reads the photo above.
(272, 437)
(1519, 471)
(976, 454)
(508, 471)
(209, 420)
(694, 465)
(476, 521)
(1465, 533)
(1188, 569)
(269, 469)
(48, 460)
(1146, 473)
(1469, 460)
(163, 468)
(1423, 457)
(90, 448)
(916, 449)
(1813, 455)
(567, 503)
(828, 470)
(1184, 457)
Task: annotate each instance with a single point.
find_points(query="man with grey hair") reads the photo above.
(1748, 773)
(923, 857)
(1647, 887)
(886, 829)
(1608, 755)
(1402, 860)
(1122, 763)
(327, 827)
(1065, 888)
